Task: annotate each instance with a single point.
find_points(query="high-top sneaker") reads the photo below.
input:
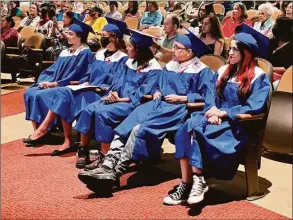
(83, 157)
(199, 188)
(96, 163)
(178, 195)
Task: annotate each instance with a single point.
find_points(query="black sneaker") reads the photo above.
(83, 157)
(179, 195)
(199, 188)
(96, 163)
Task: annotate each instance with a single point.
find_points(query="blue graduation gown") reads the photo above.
(128, 83)
(219, 147)
(157, 118)
(68, 67)
(67, 103)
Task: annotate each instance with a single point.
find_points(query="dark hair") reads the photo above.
(48, 11)
(70, 14)
(83, 39)
(10, 20)
(283, 29)
(135, 8)
(119, 42)
(243, 10)
(284, 6)
(175, 20)
(155, 4)
(244, 75)
(113, 3)
(144, 55)
(38, 8)
(216, 30)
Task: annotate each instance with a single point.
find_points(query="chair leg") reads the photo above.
(13, 76)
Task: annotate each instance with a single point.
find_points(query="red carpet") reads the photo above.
(12, 103)
(37, 186)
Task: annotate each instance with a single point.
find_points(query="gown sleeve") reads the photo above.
(87, 76)
(205, 86)
(256, 102)
(47, 74)
(147, 87)
(81, 66)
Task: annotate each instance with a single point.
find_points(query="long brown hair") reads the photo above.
(245, 74)
(119, 42)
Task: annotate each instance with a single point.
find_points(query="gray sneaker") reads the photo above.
(96, 163)
(199, 188)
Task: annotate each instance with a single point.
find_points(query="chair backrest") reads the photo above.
(267, 67)
(251, 13)
(219, 8)
(132, 22)
(27, 31)
(162, 4)
(17, 23)
(166, 57)
(24, 8)
(35, 40)
(2, 49)
(103, 4)
(285, 84)
(177, 12)
(213, 61)
(16, 18)
(157, 32)
(19, 39)
(182, 31)
(186, 24)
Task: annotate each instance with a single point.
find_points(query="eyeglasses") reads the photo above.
(179, 48)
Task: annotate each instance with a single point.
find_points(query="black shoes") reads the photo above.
(65, 151)
(83, 157)
(41, 140)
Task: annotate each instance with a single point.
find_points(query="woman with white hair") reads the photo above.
(265, 23)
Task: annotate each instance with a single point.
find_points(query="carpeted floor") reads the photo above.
(12, 103)
(35, 185)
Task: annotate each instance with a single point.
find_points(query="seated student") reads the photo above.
(184, 79)
(71, 65)
(136, 77)
(68, 104)
(217, 137)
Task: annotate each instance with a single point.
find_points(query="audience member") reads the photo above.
(32, 19)
(289, 10)
(14, 9)
(265, 23)
(212, 35)
(8, 34)
(153, 17)
(238, 17)
(66, 6)
(45, 25)
(114, 13)
(132, 11)
(4, 9)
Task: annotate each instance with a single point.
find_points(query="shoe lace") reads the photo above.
(197, 186)
(179, 191)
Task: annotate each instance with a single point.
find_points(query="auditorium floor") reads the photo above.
(275, 173)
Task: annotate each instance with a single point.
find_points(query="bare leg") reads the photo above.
(186, 171)
(105, 147)
(35, 125)
(84, 139)
(43, 128)
(67, 127)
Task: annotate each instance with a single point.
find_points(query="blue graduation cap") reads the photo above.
(192, 42)
(141, 39)
(262, 40)
(81, 28)
(248, 40)
(120, 24)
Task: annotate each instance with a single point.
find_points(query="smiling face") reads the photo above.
(33, 10)
(73, 39)
(180, 52)
(234, 53)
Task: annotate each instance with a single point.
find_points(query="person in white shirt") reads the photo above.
(114, 13)
(32, 19)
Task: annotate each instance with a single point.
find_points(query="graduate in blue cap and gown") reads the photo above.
(135, 78)
(184, 79)
(72, 64)
(67, 103)
(218, 139)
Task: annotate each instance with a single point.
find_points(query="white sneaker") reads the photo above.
(178, 195)
(199, 188)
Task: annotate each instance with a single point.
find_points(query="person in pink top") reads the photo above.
(238, 17)
(132, 11)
